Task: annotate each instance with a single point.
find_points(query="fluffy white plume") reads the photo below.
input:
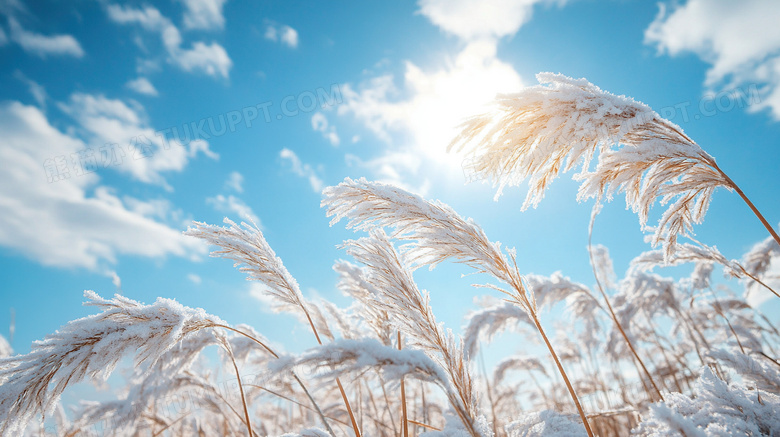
(482, 325)
(342, 357)
(353, 283)
(91, 347)
(437, 230)
(409, 309)
(247, 246)
(546, 129)
(517, 362)
(718, 409)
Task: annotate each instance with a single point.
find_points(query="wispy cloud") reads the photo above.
(235, 182)
(44, 45)
(211, 59)
(37, 90)
(283, 34)
(195, 279)
(396, 168)
(203, 14)
(301, 169)
(741, 47)
(232, 204)
(142, 86)
(320, 124)
(135, 147)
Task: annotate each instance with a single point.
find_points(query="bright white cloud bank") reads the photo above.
(740, 40)
(72, 222)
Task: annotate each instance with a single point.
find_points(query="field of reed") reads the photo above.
(644, 354)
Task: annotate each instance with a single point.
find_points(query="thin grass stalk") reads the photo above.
(240, 388)
(387, 403)
(718, 309)
(760, 282)
(360, 403)
(338, 381)
(432, 428)
(490, 396)
(297, 379)
(563, 374)
(289, 399)
(424, 406)
(349, 409)
(162, 430)
(404, 417)
(521, 298)
(612, 311)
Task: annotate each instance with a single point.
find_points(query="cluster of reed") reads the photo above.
(644, 353)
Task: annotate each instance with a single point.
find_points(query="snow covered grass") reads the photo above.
(649, 354)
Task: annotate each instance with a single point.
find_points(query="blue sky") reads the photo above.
(291, 97)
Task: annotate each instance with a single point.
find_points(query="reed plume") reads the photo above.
(551, 128)
(92, 347)
(437, 233)
(409, 310)
(247, 246)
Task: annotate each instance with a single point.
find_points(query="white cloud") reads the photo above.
(3, 37)
(149, 17)
(320, 124)
(204, 14)
(74, 221)
(417, 115)
(301, 169)
(119, 138)
(43, 45)
(426, 121)
(37, 90)
(476, 19)
(235, 182)
(232, 204)
(284, 34)
(195, 279)
(396, 168)
(115, 279)
(211, 59)
(740, 42)
(142, 86)
(158, 209)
